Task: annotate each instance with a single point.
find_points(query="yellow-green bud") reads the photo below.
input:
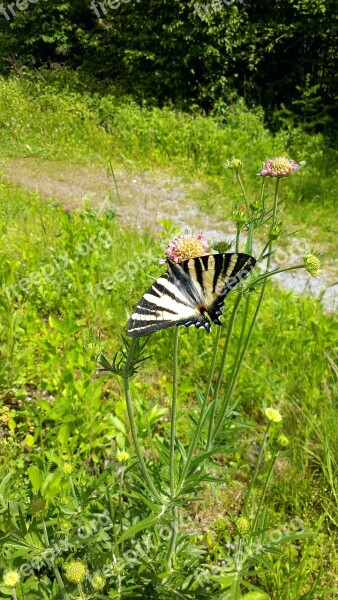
(11, 578)
(67, 469)
(76, 571)
(122, 456)
(243, 525)
(65, 526)
(98, 581)
(238, 214)
(275, 231)
(312, 264)
(234, 163)
(273, 415)
(283, 441)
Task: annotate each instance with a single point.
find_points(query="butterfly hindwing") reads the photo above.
(188, 292)
(169, 301)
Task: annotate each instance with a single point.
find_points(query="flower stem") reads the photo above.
(264, 489)
(173, 415)
(258, 462)
(60, 583)
(239, 179)
(238, 363)
(221, 369)
(132, 424)
(238, 231)
(172, 544)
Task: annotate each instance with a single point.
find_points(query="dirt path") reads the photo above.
(140, 200)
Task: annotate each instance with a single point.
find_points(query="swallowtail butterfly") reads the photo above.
(189, 292)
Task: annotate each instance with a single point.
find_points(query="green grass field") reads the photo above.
(68, 282)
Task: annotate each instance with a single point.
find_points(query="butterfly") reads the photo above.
(189, 293)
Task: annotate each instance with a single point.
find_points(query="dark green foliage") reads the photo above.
(277, 54)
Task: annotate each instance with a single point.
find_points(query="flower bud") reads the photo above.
(273, 415)
(312, 264)
(75, 571)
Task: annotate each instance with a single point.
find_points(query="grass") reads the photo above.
(76, 276)
(54, 121)
(49, 335)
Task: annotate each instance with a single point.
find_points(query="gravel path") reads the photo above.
(141, 199)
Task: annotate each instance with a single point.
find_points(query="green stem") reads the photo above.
(201, 417)
(258, 462)
(221, 369)
(45, 531)
(238, 231)
(132, 424)
(173, 415)
(173, 538)
(60, 583)
(266, 275)
(81, 592)
(239, 179)
(264, 490)
(213, 365)
(73, 492)
(235, 370)
(172, 544)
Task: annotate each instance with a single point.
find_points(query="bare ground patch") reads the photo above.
(140, 199)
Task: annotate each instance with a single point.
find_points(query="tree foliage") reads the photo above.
(280, 54)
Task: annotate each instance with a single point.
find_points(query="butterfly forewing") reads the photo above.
(188, 291)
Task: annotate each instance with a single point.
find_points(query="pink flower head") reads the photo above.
(67, 209)
(187, 246)
(279, 167)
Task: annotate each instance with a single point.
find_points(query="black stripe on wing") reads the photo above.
(230, 272)
(170, 301)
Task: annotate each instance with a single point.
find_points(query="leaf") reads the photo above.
(29, 440)
(63, 435)
(256, 596)
(140, 526)
(35, 477)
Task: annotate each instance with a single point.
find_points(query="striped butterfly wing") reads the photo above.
(189, 292)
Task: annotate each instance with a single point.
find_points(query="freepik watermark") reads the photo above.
(100, 9)
(48, 270)
(205, 10)
(9, 11)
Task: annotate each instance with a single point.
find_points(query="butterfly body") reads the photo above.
(189, 293)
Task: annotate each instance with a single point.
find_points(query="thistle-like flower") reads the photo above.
(122, 456)
(186, 246)
(243, 525)
(11, 578)
(312, 264)
(273, 415)
(76, 571)
(279, 167)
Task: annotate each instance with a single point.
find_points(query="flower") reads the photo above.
(68, 210)
(67, 469)
(122, 456)
(11, 578)
(186, 246)
(279, 167)
(76, 571)
(312, 264)
(36, 506)
(4, 418)
(273, 415)
(283, 441)
(243, 525)
(234, 163)
(98, 581)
